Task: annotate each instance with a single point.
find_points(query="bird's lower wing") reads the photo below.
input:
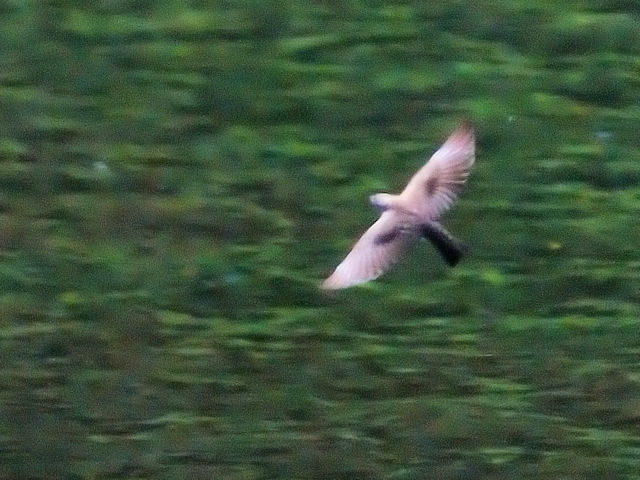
(374, 253)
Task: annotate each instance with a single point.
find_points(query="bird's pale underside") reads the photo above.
(412, 214)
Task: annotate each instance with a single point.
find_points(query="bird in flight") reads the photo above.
(412, 214)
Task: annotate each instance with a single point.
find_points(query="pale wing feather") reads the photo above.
(368, 260)
(434, 188)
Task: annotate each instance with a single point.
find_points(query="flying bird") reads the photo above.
(412, 214)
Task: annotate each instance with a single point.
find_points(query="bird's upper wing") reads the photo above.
(434, 188)
(375, 252)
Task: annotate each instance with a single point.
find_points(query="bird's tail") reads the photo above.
(449, 247)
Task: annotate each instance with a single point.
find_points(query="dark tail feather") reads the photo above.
(450, 248)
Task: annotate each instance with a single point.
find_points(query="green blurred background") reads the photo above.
(176, 178)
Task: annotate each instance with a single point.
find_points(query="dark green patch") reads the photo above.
(177, 177)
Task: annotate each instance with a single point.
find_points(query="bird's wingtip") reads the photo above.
(331, 283)
(325, 285)
(466, 126)
(338, 281)
(464, 134)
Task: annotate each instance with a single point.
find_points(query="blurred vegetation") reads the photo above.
(177, 177)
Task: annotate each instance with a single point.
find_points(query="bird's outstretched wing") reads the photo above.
(434, 188)
(377, 250)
